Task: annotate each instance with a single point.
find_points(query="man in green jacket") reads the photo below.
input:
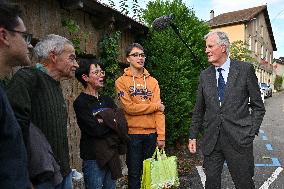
(36, 97)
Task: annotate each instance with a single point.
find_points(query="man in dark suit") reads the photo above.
(222, 111)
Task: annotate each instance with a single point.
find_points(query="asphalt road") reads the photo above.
(268, 151)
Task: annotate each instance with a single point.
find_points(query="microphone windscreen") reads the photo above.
(162, 22)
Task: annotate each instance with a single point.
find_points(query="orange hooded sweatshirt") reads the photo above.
(139, 96)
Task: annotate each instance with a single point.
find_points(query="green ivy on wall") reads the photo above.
(109, 53)
(77, 34)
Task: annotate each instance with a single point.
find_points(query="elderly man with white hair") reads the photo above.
(36, 97)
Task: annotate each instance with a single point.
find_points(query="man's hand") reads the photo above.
(192, 146)
(161, 144)
(161, 106)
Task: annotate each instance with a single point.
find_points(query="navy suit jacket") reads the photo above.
(239, 123)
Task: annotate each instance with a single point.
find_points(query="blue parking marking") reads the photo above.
(275, 163)
(269, 147)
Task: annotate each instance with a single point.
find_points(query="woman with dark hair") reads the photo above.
(100, 142)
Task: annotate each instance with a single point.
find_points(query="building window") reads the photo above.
(249, 42)
(255, 47)
(262, 52)
(261, 31)
(266, 55)
(256, 25)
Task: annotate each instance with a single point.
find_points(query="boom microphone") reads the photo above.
(162, 22)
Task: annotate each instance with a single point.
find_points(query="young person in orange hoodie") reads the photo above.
(139, 94)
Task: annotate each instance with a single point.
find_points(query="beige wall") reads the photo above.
(279, 70)
(235, 32)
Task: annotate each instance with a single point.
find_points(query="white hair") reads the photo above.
(48, 44)
(222, 39)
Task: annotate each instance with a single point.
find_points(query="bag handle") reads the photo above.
(157, 154)
(163, 153)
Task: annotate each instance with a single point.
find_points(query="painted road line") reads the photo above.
(201, 174)
(269, 147)
(271, 179)
(275, 163)
(264, 137)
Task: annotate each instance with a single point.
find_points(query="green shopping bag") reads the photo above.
(159, 171)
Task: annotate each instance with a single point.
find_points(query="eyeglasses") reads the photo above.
(27, 36)
(135, 55)
(97, 72)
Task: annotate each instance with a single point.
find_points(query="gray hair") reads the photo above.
(222, 39)
(50, 43)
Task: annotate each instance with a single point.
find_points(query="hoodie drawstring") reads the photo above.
(134, 84)
(145, 84)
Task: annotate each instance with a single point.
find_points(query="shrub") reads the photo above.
(172, 64)
(278, 82)
(109, 53)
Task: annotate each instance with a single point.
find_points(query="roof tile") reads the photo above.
(236, 16)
